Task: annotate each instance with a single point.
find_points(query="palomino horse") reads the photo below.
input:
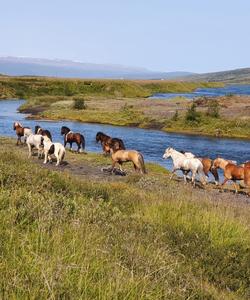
(56, 149)
(106, 141)
(121, 156)
(185, 164)
(73, 137)
(21, 131)
(43, 132)
(231, 171)
(207, 165)
(35, 141)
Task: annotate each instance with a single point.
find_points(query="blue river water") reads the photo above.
(208, 92)
(152, 143)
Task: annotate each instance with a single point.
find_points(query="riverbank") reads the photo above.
(126, 103)
(78, 234)
(166, 115)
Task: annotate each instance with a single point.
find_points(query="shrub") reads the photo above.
(175, 116)
(213, 109)
(192, 115)
(79, 104)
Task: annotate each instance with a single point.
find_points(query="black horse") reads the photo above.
(73, 137)
(43, 132)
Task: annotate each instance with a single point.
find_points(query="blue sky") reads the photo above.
(187, 35)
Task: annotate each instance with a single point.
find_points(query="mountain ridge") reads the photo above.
(26, 66)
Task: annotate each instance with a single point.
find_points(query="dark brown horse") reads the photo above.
(21, 131)
(43, 132)
(106, 142)
(73, 137)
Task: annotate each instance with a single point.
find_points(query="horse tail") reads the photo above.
(142, 164)
(61, 154)
(82, 141)
(48, 134)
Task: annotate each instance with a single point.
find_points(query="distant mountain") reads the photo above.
(231, 76)
(21, 66)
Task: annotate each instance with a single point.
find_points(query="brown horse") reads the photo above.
(43, 132)
(107, 140)
(21, 131)
(73, 137)
(246, 164)
(207, 165)
(231, 170)
(121, 156)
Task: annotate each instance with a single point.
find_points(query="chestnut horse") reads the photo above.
(21, 131)
(231, 170)
(121, 156)
(43, 132)
(73, 137)
(106, 141)
(207, 165)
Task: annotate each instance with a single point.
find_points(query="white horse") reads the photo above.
(56, 149)
(185, 164)
(35, 141)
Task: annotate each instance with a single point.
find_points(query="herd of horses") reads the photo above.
(183, 161)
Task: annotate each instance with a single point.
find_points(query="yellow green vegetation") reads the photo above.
(66, 237)
(26, 87)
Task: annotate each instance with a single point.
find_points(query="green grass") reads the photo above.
(210, 126)
(27, 87)
(143, 238)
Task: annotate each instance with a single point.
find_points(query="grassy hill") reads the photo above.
(231, 76)
(66, 237)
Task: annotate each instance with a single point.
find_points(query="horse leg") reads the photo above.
(45, 157)
(185, 173)
(173, 171)
(30, 150)
(236, 187)
(216, 175)
(120, 166)
(225, 180)
(193, 178)
(57, 159)
(113, 166)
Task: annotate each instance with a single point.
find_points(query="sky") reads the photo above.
(161, 35)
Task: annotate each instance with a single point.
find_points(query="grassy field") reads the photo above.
(65, 236)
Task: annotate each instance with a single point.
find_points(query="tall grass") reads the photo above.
(142, 238)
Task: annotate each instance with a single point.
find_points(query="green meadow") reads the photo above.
(70, 237)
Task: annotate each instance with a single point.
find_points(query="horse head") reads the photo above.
(16, 125)
(37, 129)
(64, 130)
(168, 153)
(98, 136)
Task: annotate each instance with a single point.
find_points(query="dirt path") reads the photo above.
(79, 166)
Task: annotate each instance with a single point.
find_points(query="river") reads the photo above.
(151, 143)
(236, 89)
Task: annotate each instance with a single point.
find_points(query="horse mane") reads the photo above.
(65, 128)
(37, 127)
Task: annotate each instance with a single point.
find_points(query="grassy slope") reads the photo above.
(143, 238)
